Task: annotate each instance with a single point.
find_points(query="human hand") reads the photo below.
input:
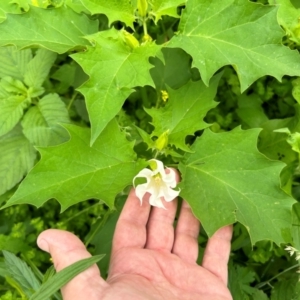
(150, 260)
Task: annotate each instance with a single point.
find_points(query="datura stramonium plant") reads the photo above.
(159, 184)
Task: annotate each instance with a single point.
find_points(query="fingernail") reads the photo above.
(43, 244)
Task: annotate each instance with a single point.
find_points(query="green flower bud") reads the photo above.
(142, 6)
(162, 141)
(130, 40)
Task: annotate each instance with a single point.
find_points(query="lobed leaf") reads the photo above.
(249, 40)
(165, 7)
(8, 7)
(226, 180)
(59, 30)
(184, 112)
(115, 10)
(114, 69)
(74, 171)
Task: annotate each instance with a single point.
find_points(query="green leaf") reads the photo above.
(163, 72)
(8, 7)
(114, 69)
(115, 10)
(165, 7)
(14, 86)
(286, 289)
(3, 271)
(238, 33)
(239, 282)
(41, 123)
(61, 278)
(227, 180)
(296, 225)
(59, 30)
(11, 112)
(74, 171)
(38, 68)
(16, 159)
(21, 273)
(13, 244)
(288, 18)
(250, 111)
(13, 62)
(273, 144)
(184, 111)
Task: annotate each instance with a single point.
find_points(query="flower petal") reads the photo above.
(141, 190)
(156, 201)
(170, 194)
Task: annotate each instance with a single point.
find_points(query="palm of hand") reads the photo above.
(150, 259)
(151, 274)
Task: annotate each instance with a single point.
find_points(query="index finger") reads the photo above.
(131, 227)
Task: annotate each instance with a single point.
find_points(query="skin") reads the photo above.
(150, 259)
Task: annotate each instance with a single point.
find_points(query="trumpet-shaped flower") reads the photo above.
(159, 184)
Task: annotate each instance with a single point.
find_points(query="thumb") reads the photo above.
(65, 249)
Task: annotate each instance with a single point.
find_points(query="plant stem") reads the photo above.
(83, 211)
(98, 227)
(260, 285)
(145, 26)
(72, 100)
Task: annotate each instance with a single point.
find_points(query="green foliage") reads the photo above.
(21, 273)
(114, 85)
(227, 170)
(58, 280)
(75, 162)
(59, 29)
(90, 90)
(243, 40)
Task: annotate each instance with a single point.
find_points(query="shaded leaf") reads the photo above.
(21, 273)
(286, 289)
(239, 281)
(13, 244)
(11, 112)
(226, 180)
(38, 68)
(41, 123)
(242, 40)
(74, 171)
(163, 72)
(13, 62)
(16, 159)
(250, 111)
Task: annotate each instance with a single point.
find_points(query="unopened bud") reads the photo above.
(142, 6)
(162, 141)
(164, 96)
(130, 40)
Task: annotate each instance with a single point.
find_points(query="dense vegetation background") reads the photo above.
(88, 88)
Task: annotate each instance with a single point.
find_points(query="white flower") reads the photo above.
(159, 184)
(291, 250)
